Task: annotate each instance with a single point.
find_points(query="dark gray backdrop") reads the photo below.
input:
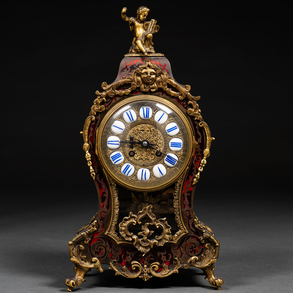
(236, 57)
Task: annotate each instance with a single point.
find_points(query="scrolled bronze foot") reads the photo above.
(78, 279)
(210, 277)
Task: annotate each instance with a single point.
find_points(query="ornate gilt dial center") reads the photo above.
(149, 135)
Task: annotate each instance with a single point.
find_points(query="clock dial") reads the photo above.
(137, 141)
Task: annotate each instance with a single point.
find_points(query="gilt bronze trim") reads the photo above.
(143, 271)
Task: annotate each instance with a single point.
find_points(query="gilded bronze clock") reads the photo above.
(145, 144)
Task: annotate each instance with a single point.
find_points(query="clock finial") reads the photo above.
(142, 43)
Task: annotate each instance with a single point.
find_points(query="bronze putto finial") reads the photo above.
(142, 43)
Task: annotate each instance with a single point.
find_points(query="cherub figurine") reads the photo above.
(143, 31)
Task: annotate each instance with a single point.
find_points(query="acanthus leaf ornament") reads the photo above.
(194, 111)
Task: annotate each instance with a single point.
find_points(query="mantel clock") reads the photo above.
(146, 144)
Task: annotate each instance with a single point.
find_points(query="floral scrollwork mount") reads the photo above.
(146, 218)
(143, 271)
(147, 78)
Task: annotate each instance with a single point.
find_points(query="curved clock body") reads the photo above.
(146, 145)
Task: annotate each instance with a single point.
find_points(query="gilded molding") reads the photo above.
(178, 217)
(115, 210)
(206, 152)
(86, 126)
(86, 146)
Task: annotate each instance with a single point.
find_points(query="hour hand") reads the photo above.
(132, 138)
(143, 143)
(130, 141)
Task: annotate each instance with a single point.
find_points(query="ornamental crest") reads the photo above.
(147, 78)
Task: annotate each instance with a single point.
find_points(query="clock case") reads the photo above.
(145, 234)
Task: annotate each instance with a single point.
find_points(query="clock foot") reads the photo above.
(78, 247)
(206, 260)
(210, 277)
(78, 279)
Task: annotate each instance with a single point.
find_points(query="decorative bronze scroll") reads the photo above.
(145, 244)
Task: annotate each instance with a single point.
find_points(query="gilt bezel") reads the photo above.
(114, 109)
